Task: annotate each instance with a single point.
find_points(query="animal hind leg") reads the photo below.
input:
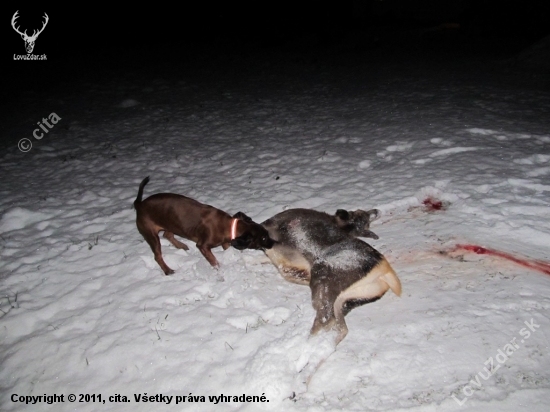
(174, 241)
(322, 299)
(154, 242)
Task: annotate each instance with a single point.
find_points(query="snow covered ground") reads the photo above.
(453, 152)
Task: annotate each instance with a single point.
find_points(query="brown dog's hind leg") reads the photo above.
(153, 240)
(174, 241)
(207, 253)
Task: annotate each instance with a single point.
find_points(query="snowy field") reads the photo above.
(455, 153)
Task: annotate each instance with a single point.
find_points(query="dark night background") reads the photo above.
(90, 42)
(104, 37)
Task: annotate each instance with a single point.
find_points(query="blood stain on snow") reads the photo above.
(538, 265)
(431, 204)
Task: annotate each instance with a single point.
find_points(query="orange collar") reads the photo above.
(234, 228)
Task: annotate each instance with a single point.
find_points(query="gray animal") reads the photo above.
(321, 250)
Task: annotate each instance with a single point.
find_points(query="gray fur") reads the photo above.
(321, 250)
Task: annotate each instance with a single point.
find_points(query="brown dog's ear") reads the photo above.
(242, 216)
(242, 242)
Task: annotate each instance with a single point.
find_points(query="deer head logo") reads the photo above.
(29, 40)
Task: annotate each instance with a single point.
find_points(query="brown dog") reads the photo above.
(316, 249)
(205, 225)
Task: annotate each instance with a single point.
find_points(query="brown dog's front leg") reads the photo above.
(207, 253)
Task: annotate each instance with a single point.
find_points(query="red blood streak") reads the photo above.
(432, 204)
(543, 267)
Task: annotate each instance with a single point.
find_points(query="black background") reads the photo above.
(85, 39)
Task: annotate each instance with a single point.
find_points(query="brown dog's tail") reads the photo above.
(140, 192)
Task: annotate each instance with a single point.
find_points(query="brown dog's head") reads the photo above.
(254, 236)
(357, 223)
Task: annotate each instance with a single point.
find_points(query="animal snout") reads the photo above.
(263, 241)
(267, 243)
